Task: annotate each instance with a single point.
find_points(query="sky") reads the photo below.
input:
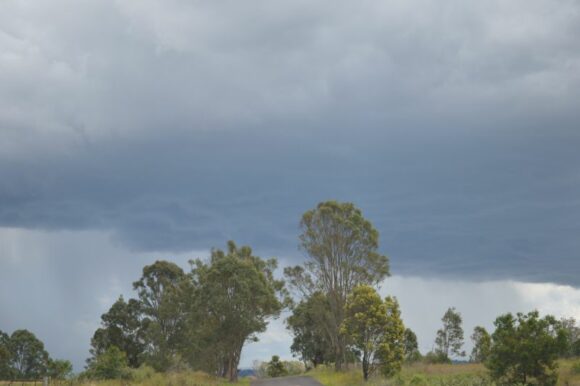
(136, 130)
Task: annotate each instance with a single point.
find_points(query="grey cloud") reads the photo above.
(177, 125)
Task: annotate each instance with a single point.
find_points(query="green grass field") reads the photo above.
(434, 375)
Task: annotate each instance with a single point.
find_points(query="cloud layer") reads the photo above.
(137, 129)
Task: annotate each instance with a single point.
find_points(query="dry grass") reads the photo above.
(436, 375)
(151, 379)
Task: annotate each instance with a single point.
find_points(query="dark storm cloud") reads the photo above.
(178, 125)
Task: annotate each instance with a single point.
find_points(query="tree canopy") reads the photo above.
(23, 356)
(449, 340)
(481, 344)
(237, 295)
(342, 249)
(525, 348)
(374, 328)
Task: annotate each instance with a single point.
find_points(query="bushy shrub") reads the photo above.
(276, 367)
(435, 357)
(112, 364)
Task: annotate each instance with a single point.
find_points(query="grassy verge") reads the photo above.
(434, 375)
(153, 379)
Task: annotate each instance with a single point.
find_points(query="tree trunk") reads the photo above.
(233, 361)
(365, 366)
(338, 357)
(232, 369)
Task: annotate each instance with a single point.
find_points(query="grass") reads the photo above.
(149, 379)
(435, 375)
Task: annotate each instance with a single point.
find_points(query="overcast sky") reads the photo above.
(134, 130)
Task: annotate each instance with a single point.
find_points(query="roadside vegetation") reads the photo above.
(422, 374)
(185, 328)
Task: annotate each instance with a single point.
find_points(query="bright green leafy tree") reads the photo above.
(374, 327)
(392, 349)
(342, 247)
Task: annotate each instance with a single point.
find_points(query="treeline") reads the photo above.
(201, 319)
(23, 357)
(340, 317)
(198, 320)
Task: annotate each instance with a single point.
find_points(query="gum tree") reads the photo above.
(342, 250)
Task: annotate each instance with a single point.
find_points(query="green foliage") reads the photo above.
(142, 374)
(436, 357)
(121, 327)
(22, 356)
(573, 337)
(576, 368)
(237, 294)
(374, 328)
(5, 357)
(311, 343)
(450, 338)
(112, 364)
(199, 320)
(481, 344)
(342, 247)
(160, 291)
(411, 345)
(392, 348)
(28, 358)
(275, 367)
(525, 349)
(59, 369)
(418, 380)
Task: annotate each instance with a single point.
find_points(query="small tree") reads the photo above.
(5, 357)
(112, 364)
(307, 322)
(276, 367)
(59, 369)
(573, 334)
(411, 345)
(525, 348)
(481, 344)
(121, 327)
(450, 338)
(374, 328)
(392, 349)
(29, 359)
